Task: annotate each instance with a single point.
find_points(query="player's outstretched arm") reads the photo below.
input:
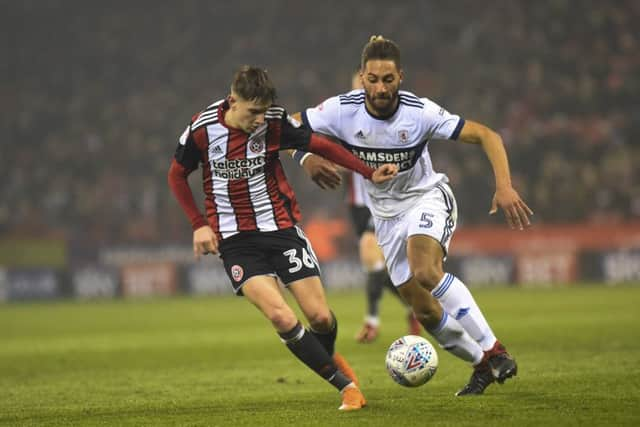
(325, 147)
(506, 197)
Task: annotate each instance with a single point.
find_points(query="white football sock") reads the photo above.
(372, 321)
(458, 302)
(452, 337)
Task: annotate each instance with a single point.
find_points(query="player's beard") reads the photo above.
(383, 105)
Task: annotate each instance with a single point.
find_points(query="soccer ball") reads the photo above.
(411, 361)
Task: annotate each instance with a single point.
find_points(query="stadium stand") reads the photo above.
(94, 99)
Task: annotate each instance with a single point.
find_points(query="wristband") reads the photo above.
(300, 156)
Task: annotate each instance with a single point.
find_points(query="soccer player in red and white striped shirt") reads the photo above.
(252, 214)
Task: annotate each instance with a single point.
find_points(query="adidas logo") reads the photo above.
(216, 149)
(360, 135)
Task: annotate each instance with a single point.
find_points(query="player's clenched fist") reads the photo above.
(204, 242)
(384, 173)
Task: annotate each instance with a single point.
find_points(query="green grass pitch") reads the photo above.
(216, 362)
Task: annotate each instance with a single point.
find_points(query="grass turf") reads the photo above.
(215, 362)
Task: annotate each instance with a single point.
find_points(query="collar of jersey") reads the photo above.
(387, 117)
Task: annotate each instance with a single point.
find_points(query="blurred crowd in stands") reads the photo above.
(94, 96)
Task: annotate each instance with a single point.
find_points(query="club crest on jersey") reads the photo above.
(403, 136)
(237, 272)
(256, 146)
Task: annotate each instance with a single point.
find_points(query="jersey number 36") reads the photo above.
(296, 262)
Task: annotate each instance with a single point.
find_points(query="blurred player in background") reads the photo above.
(371, 256)
(252, 214)
(415, 214)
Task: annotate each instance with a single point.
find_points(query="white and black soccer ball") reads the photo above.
(411, 361)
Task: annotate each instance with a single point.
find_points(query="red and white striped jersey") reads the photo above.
(243, 180)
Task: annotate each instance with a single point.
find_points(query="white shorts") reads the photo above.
(434, 214)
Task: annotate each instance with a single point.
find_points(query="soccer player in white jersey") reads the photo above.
(415, 213)
(252, 214)
(371, 257)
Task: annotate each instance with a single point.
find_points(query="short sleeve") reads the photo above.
(187, 153)
(324, 118)
(294, 134)
(439, 123)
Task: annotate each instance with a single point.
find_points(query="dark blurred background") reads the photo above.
(93, 96)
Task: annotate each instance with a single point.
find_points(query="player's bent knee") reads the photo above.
(368, 243)
(371, 255)
(428, 276)
(282, 318)
(427, 310)
(428, 318)
(321, 321)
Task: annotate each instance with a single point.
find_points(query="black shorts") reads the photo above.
(362, 219)
(286, 254)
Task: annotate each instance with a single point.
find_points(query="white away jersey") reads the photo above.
(401, 139)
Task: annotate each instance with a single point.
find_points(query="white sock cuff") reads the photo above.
(350, 385)
(298, 332)
(443, 285)
(443, 322)
(372, 321)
